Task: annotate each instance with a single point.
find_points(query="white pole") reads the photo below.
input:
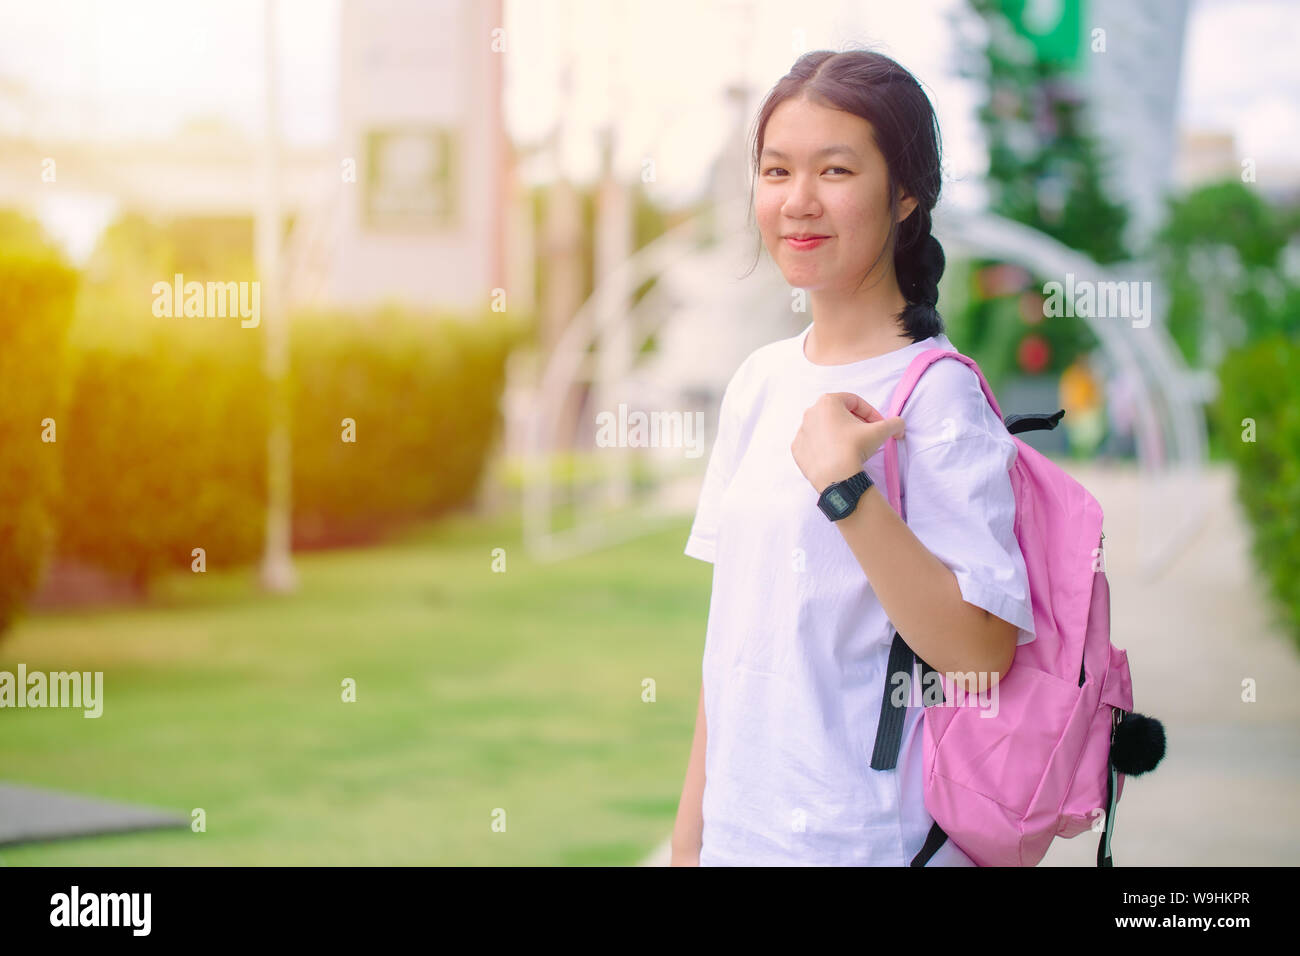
(277, 572)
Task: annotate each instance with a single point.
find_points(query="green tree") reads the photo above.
(1046, 170)
(1220, 255)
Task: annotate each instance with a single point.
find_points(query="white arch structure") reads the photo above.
(1170, 436)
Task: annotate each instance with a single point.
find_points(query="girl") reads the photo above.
(804, 607)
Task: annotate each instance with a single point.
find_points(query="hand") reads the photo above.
(840, 431)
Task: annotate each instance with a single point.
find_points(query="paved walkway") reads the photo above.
(35, 814)
(1227, 792)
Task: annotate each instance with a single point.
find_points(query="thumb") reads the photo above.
(874, 435)
(889, 426)
(859, 406)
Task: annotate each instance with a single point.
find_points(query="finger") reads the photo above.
(889, 426)
(858, 405)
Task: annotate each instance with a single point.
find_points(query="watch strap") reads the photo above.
(858, 483)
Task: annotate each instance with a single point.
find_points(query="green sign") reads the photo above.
(1053, 27)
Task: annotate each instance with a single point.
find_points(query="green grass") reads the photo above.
(475, 691)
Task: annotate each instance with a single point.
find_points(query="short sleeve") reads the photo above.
(959, 501)
(703, 538)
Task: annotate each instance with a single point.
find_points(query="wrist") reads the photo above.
(841, 497)
(841, 472)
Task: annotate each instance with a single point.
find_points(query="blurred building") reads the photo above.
(408, 205)
(1205, 156)
(1124, 61)
(1212, 155)
(1132, 88)
(421, 120)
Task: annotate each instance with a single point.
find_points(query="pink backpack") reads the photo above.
(1054, 757)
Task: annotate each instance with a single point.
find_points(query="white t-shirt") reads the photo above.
(797, 643)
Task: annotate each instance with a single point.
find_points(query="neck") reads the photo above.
(849, 326)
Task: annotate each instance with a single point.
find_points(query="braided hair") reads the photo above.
(919, 269)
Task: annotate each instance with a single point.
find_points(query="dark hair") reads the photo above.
(906, 132)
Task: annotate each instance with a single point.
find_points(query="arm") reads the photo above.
(920, 594)
(688, 831)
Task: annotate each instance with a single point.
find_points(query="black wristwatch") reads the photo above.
(841, 497)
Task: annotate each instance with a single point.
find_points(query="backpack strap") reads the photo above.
(933, 840)
(902, 393)
(1032, 421)
(1112, 796)
(889, 730)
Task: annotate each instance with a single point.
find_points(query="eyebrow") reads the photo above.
(826, 151)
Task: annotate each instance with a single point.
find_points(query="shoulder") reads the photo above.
(747, 382)
(948, 404)
(949, 380)
(768, 358)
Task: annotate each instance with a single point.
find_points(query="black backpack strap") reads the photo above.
(1103, 845)
(1032, 421)
(933, 840)
(926, 671)
(889, 730)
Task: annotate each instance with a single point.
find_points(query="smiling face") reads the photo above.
(805, 188)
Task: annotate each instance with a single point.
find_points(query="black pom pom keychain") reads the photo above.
(1138, 744)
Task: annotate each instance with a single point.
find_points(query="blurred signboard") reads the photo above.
(418, 217)
(1053, 27)
(410, 181)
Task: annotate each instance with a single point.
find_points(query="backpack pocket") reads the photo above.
(1004, 749)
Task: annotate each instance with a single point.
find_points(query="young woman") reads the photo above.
(804, 608)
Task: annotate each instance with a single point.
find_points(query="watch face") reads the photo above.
(836, 500)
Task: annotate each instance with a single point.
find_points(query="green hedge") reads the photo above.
(424, 394)
(167, 441)
(1261, 383)
(165, 451)
(37, 297)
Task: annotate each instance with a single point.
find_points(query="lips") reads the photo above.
(809, 242)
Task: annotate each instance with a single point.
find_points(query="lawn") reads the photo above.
(477, 692)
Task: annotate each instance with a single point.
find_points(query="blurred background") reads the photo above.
(325, 324)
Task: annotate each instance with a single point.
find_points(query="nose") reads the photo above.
(801, 200)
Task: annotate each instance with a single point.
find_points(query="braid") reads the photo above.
(918, 267)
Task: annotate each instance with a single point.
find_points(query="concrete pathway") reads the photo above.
(32, 814)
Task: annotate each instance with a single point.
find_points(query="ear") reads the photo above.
(906, 205)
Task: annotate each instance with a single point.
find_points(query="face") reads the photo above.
(841, 195)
